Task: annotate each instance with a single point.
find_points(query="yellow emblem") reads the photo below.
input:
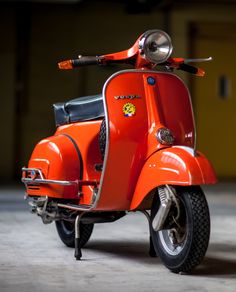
(129, 109)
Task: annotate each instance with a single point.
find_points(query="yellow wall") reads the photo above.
(181, 18)
(215, 118)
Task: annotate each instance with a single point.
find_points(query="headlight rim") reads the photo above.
(144, 47)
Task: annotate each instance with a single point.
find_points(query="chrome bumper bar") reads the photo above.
(36, 177)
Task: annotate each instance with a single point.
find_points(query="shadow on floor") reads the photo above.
(217, 267)
(131, 250)
(212, 266)
(218, 263)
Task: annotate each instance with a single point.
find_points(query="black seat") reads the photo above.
(79, 109)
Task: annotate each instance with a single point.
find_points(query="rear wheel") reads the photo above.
(102, 138)
(183, 243)
(66, 232)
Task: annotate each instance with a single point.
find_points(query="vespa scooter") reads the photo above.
(131, 148)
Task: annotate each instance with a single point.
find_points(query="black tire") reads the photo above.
(183, 244)
(66, 232)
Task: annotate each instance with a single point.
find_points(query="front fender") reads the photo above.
(178, 165)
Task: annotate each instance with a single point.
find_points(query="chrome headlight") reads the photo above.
(165, 137)
(155, 46)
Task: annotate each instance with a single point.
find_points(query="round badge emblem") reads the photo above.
(129, 109)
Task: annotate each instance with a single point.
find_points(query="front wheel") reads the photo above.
(183, 243)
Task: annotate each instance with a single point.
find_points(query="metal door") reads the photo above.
(215, 96)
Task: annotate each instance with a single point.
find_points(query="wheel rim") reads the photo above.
(170, 246)
(174, 239)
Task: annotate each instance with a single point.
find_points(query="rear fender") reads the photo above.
(58, 158)
(178, 165)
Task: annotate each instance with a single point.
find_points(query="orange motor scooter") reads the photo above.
(131, 148)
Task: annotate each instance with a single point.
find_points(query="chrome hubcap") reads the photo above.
(172, 240)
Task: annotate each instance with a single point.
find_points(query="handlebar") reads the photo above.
(81, 61)
(179, 64)
(191, 69)
(174, 63)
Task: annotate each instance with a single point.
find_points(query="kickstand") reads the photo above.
(78, 253)
(152, 251)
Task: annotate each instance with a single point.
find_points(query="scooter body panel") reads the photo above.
(57, 159)
(137, 104)
(85, 136)
(126, 148)
(70, 155)
(173, 166)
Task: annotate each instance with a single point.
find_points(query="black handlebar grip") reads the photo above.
(188, 68)
(86, 60)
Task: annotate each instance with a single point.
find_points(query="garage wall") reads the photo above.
(7, 91)
(202, 33)
(182, 17)
(54, 32)
(35, 36)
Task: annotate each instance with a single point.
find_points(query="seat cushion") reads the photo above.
(79, 109)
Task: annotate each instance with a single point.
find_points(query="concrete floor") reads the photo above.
(33, 259)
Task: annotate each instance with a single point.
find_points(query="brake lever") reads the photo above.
(198, 60)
